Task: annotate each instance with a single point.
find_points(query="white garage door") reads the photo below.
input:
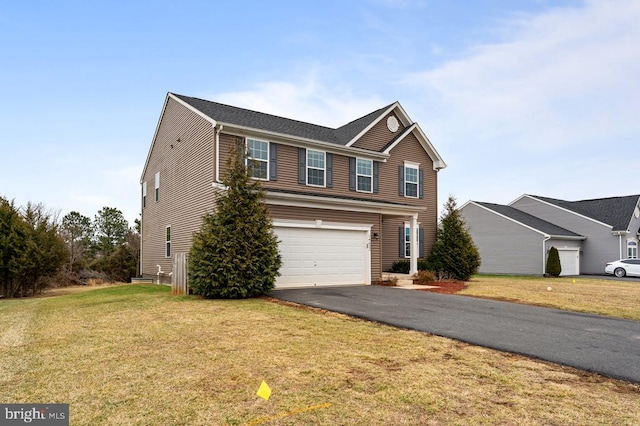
(322, 257)
(569, 261)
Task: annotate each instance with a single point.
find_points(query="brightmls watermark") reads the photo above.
(34, 414)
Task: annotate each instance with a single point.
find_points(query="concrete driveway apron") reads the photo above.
(599, 344)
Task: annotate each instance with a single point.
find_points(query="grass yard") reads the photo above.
(135, 355)
(605, 297)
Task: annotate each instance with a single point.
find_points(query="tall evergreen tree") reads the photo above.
(235, 253)
(77, 232)
(454, 252)
(553, 266)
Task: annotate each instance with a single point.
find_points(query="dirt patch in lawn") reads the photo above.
(446, 287)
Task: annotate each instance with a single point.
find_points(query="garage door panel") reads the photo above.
(313, 257)
(569, 262)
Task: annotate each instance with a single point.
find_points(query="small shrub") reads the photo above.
(423, 277)
(400, 267)
(423, 265)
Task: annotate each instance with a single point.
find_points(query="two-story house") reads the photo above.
(345, 202)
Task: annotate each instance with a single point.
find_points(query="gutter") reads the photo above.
(217, 142)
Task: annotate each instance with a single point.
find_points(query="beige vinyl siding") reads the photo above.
(379, 135)
(186, 175)
(408, 149)
(310, 214)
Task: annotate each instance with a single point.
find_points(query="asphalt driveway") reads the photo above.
(599, 344)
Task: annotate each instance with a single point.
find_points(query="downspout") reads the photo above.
(218, 153)
(544, 253)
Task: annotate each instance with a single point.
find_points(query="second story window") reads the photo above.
(410, 181)
(364, 175)
(258, 159)
(144, 194)
(315, 168)
(158, 186)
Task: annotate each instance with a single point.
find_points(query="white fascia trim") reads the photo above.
(281, 138)
(321, 224)
(438, 162)
(564, 237)
(155, 134)
(565, 210)
(297, 200)
(153, 140)
(404, 120)
(195, 110)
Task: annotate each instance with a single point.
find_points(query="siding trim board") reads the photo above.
(364, 206)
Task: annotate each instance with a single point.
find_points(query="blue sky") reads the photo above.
(538, 97)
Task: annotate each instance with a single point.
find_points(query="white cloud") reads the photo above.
(309, 100)
(542, 111)
(566, 77)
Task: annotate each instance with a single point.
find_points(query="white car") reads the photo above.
(623, 267)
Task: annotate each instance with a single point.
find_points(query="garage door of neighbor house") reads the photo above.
(569, 261)
(323, 257)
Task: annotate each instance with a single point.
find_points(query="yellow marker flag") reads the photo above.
(264, 391)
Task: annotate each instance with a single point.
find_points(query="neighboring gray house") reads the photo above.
(515, 239)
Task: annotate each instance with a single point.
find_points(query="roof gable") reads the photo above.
(528, 220)
(616, 212)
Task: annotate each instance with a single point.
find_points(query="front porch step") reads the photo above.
(403, 279)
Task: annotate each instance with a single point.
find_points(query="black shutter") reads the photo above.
(273, 161)
(401, 180)
(375, 177)
(421, 242)
(352, 174)
(329, 160)
(421, 184)
(401, 251)
(302, 166)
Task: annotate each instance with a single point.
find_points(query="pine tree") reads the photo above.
(235, 253)
(553, 263)
(454, 252)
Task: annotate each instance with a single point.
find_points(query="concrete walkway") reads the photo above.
(598, 344)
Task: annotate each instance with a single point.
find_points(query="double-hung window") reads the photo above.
(258, 159)
(411, 174)
(407, 240)
(144, 194)
(168, 242)
(157, 186)
(364, 175)
(316, 168)
(632, 250)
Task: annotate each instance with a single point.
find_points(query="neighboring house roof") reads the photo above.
(258, 120)
(614, 211)
(530, 221)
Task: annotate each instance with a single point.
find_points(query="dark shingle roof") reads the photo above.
(528, 220)
(272, 123)
(614, 211)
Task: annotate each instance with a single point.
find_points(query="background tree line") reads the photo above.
(38, 249)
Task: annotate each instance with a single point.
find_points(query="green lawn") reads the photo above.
(135, 355)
